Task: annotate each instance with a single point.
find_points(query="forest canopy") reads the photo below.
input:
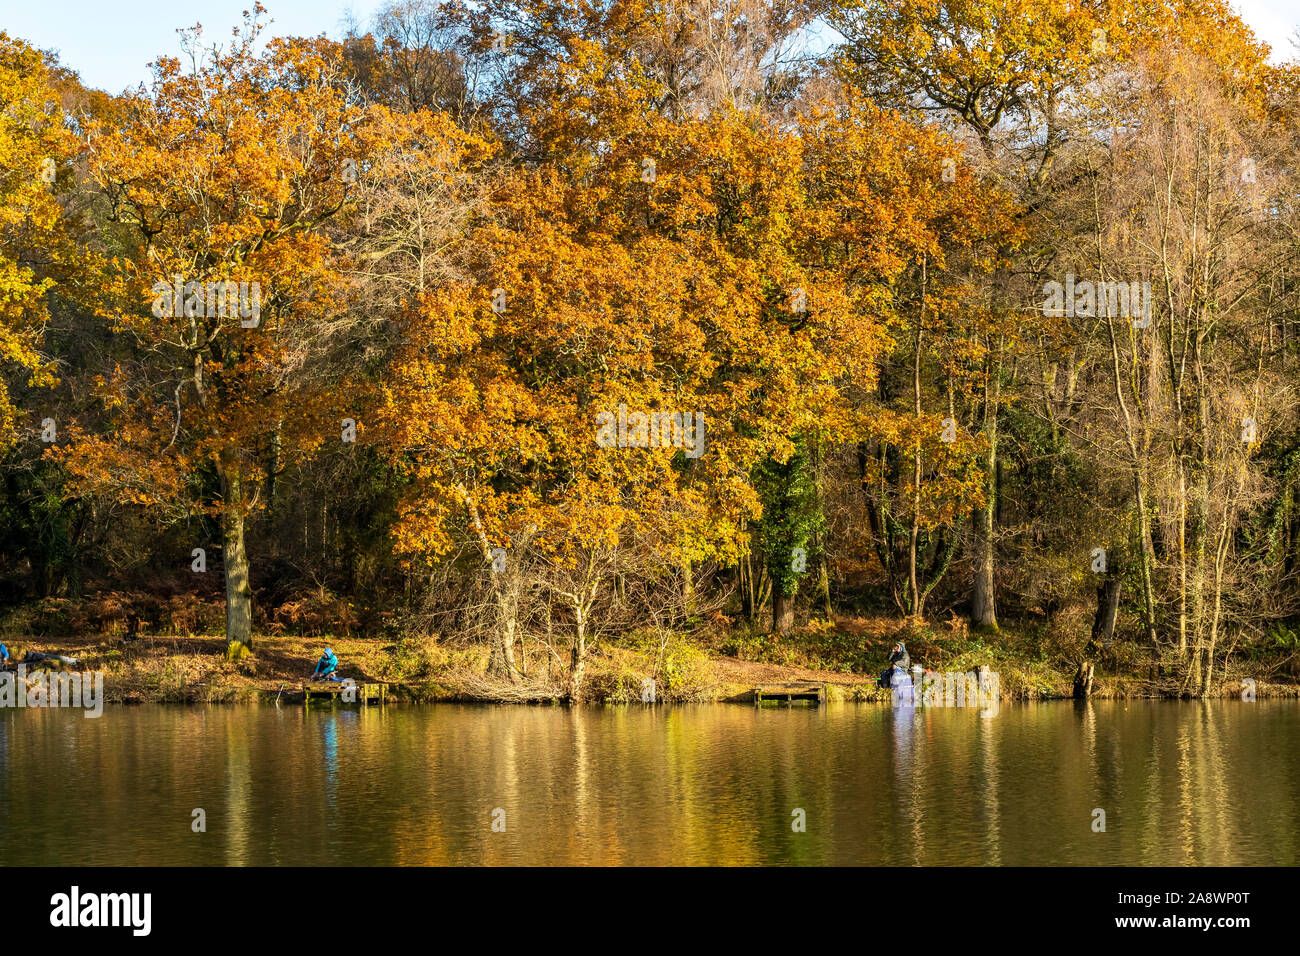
(535, 324)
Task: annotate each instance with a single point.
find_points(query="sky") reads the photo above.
(110, 42)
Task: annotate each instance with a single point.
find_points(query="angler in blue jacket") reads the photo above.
(326, 666)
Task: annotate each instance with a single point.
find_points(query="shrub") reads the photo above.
(415, 658)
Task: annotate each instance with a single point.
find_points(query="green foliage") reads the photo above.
(791, 518)
(685, 673)
(1284, 638)
(415, 659)
(614, 683)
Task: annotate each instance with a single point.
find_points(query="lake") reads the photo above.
(1181, 783)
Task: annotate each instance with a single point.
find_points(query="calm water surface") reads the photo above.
(1182, 783)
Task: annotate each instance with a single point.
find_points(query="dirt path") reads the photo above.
(732, 671)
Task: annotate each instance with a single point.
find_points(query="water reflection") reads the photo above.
(1181, 783)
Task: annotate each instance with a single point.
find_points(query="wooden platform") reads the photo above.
(334, 691)
(800, 692)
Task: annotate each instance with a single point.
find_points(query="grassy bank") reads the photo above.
(714, 664)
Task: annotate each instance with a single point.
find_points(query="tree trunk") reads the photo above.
(782, 613)
(823, 597)
(1137, 437)
(502, 660)
(508, 585)
(745, 581)
(234, 560)
(983, 608)
(824, 587)
(983, 612)
(754, 585)
(1103, 629)
(1146, 557)
(915, 530)
(1083, 681)
(1103, 625)
(578, 660)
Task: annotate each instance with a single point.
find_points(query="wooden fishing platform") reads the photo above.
(799, 692)
(334, 691)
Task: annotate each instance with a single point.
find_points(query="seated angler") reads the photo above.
(899, 662)
(326, 666)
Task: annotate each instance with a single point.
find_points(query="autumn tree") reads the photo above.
(219, 181)
(35, 246)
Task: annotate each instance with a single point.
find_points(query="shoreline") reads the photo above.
(193, 670)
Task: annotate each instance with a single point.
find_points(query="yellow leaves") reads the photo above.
(118, 468)
(672, 293)
(237, 173)
(35, 148)
(379, 240)
(952, 480)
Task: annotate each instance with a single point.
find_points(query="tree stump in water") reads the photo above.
(1083, 681)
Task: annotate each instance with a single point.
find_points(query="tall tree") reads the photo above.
(219, 181)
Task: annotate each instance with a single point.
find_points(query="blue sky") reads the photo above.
(110, 41)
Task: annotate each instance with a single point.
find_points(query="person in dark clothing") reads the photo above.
(899, 658)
